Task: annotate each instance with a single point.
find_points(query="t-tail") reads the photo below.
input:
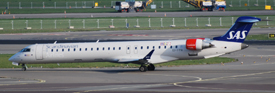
(239, 31)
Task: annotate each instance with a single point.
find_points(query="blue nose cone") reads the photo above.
(14, 58)
(11, 59)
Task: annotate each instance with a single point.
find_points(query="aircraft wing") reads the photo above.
(141, 60)
(149, 58)
(127, 60)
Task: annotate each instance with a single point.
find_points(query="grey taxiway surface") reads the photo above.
(144, 14)
(256, 74)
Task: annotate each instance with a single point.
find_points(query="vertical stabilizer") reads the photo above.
(239, 31)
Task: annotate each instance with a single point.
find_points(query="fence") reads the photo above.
(160, 4)
(122, 23)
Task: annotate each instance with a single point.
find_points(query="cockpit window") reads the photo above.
(26, 50)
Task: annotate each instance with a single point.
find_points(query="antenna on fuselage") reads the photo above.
(55, 42)
(97, 41)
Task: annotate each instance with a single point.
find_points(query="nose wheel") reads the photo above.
(24, 67)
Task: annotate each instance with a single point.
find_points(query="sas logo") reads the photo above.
(237, 35)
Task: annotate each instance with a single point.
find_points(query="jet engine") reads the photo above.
(197, 44)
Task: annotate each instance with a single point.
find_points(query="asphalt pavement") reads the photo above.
(140, 14)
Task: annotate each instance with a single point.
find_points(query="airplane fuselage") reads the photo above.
(121, 52)
(139, 52)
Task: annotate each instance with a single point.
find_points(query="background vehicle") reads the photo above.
(208, 5)
(132, 5)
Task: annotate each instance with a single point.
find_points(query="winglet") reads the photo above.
(97, 41)
(148, 56)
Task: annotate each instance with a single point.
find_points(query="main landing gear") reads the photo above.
(144, 68)
(24, 67)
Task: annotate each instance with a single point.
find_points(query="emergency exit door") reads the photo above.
(39, 52)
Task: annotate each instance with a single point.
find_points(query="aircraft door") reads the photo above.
(128, 49)
(39, 52)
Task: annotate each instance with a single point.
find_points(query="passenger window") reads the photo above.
(141, 47)
(159, 47)
(114, 48)
(56, 50)
(62, 50)
(119, 48)
(165, 47)
(171, 47)
(97, 49)
(108, 48)
(147, 47)
(176, 46)
(103, 48)
(91, 49)
(128, 48)
(52, 50)
(153, 47)
(68, 49)
(74, 49)
(135, 48)
(79, 49)
(86, 49)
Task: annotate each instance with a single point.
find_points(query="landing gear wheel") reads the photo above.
(143, 68)
(24, 68)
(151, 67)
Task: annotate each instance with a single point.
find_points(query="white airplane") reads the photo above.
(146, 53)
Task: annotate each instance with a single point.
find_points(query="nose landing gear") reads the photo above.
(24, 67)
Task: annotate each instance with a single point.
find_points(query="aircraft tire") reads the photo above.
(151, 67)
(143, 68)
(24, 68)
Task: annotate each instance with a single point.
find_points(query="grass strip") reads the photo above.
(259, 37)
(97, 24)
(112, 29)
